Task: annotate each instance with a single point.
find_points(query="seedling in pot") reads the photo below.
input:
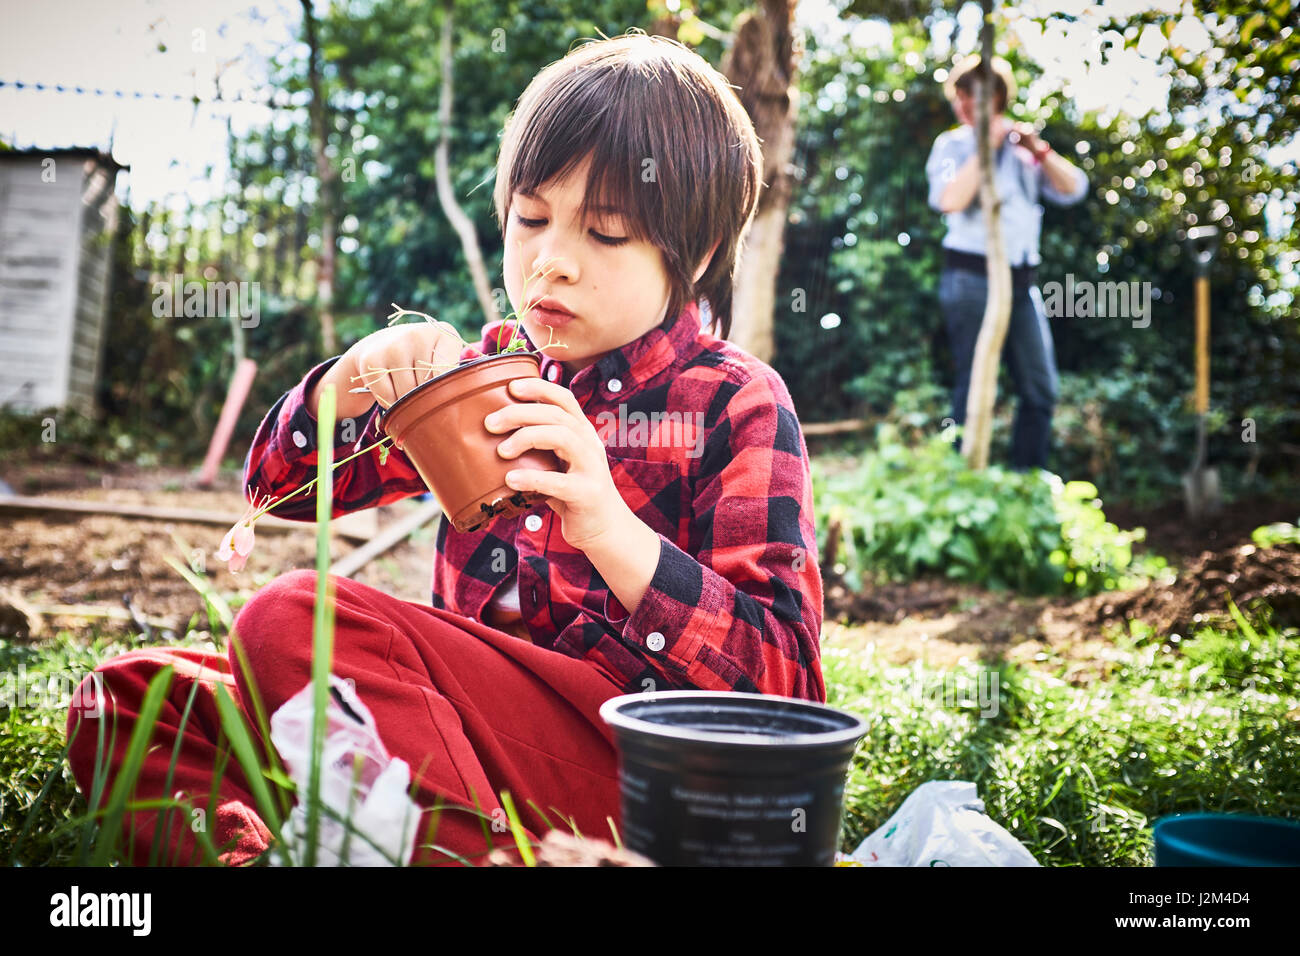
(515, 343)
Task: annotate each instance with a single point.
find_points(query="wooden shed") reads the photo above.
(58, 216)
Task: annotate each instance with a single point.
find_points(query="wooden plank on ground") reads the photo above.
(32, 505)
(89, 611)
(834, 428)
(389, 537)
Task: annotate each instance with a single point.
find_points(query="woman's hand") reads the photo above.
(584, 496)
(1028, 137)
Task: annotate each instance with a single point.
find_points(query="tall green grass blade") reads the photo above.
(164, 819)
(215, 602)
(218, 775)
(483, 821)
(358, 763)
(99, 781)
(570, 822)
(232, 722)
(1251, 634)
(517, 828)
(130, 769)
(538, 811)
(276, 770)
(322, 655)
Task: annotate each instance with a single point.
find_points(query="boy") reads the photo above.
(669, 558)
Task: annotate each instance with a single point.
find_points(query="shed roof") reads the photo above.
(88, 152)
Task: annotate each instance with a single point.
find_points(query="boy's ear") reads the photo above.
(704, 265)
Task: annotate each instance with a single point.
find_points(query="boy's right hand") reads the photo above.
(405, 351)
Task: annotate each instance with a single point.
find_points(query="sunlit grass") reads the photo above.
(1080, 774)
(1077, 774)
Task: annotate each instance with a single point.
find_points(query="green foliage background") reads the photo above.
(861, 241)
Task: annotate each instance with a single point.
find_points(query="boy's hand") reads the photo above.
(406, 350)
(585, 498)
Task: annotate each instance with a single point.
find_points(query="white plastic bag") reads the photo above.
(359, 783)
(941, 823)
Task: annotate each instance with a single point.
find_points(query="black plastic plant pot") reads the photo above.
(730, 779)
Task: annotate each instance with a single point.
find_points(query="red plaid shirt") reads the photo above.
(705, 448)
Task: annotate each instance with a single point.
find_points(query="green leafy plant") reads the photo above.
(1271, 535)
(902, 512)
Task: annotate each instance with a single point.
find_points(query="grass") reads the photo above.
(1080, 774)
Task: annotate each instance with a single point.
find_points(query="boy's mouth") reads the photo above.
(551, 312)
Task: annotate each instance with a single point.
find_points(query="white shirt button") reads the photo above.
(552, 373)
(300, 439)
(615, 385)
(533, 522)
(655, 641)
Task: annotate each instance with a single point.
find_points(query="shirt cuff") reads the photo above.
(297, 427)
(677, 611)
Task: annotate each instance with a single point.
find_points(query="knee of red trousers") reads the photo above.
(93, 702)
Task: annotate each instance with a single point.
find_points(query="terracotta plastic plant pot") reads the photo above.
(439, 425)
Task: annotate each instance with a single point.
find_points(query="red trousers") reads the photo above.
(472, 710)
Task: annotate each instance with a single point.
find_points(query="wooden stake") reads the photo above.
(240, 383)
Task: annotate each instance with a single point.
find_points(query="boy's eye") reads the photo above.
(606, 240)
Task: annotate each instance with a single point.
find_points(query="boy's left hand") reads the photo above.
(585, 498)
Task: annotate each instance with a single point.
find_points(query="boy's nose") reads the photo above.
(552, 264)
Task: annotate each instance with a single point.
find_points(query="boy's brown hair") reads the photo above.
(672, 149)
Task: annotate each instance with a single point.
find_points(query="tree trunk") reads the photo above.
(442, 172)
(762, 63)
(328, 178)
(978, 433)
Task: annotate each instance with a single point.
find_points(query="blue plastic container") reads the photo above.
(1226, 839)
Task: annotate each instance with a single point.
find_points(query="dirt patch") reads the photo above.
(1247, 575)
(942, 623)
(106, 562)
(1171, 533)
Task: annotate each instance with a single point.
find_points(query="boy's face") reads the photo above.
(616, 293)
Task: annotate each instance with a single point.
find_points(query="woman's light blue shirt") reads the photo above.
(1019, 183)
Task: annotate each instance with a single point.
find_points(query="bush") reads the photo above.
(906, 511)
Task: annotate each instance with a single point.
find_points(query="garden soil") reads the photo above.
(942, 622)
(105, 561)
